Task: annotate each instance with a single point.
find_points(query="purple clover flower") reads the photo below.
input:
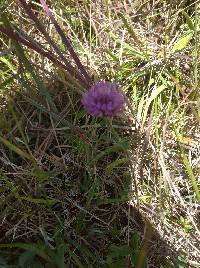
(104, 99)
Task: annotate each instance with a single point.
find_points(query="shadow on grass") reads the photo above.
(65, 183)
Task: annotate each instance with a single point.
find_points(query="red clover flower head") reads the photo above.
(104, 99)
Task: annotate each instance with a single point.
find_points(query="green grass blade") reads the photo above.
(188, 168)
(131, 31)
(42, 201)
(8, 64)
(116, 163)
(189, 21)
(118, 147)
(182, 42)
(15, 149)
(156, 91)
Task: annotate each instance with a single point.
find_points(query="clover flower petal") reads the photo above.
(104, 99)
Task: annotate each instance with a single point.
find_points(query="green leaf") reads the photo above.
(41, 175)
(118, 264)
(112, 55)
(189, 21)
(61, 256)
(131, 31)
(118, 147)
(14, 148)
(8, 64)
(156, 91)
(115, 164)
(48, 202)
(119, 251)
(126, 46)
(26, 258)
(135, 258)
(182, 261)
(135, 241)
(182, 42)
(188, 167)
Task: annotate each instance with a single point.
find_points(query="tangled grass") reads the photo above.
(80, 191)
